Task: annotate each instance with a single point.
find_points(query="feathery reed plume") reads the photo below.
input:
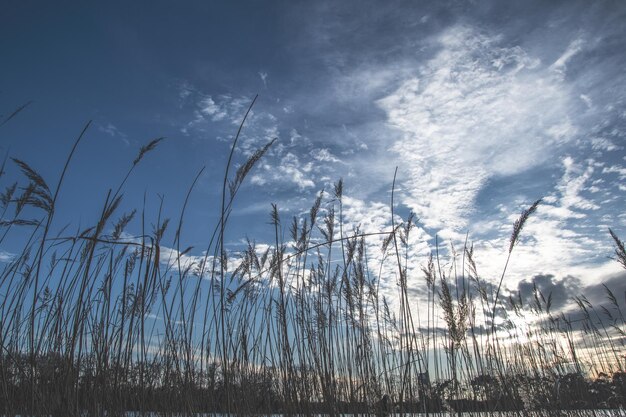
(620, 251)
(520, 222)
(32, 175)
(150, 146)
(7, 196)
(517, 228)
(429, 272)
(245, 168)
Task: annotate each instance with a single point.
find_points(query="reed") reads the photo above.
(94, 322)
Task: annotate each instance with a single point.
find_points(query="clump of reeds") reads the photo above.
(94, 322)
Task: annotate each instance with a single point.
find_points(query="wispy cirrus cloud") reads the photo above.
(209, 109)
(289, 170)
(6, 256)
(560, 65)
(324, 155)
(294, 163)
(556, 239)
(462, 117)
(570, 203)
(112, 130)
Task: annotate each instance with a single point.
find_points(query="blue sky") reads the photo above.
(483, 106)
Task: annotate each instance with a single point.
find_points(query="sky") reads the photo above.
(482, 106)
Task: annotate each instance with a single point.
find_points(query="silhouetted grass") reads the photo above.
(101, 323)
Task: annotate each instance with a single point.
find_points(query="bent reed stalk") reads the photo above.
(105, 321)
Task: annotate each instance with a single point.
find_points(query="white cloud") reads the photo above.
(603, 144)
(372, 217)
(571, 185)
(616, 169)
(474, 111)
(111, 130)
(560, 65)
(192, 264)
(587, 100)
(210, 108)
(185, 90)
(263, 76)
(6, 256)
(289, 170)
(295, 137)
(324, 155)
